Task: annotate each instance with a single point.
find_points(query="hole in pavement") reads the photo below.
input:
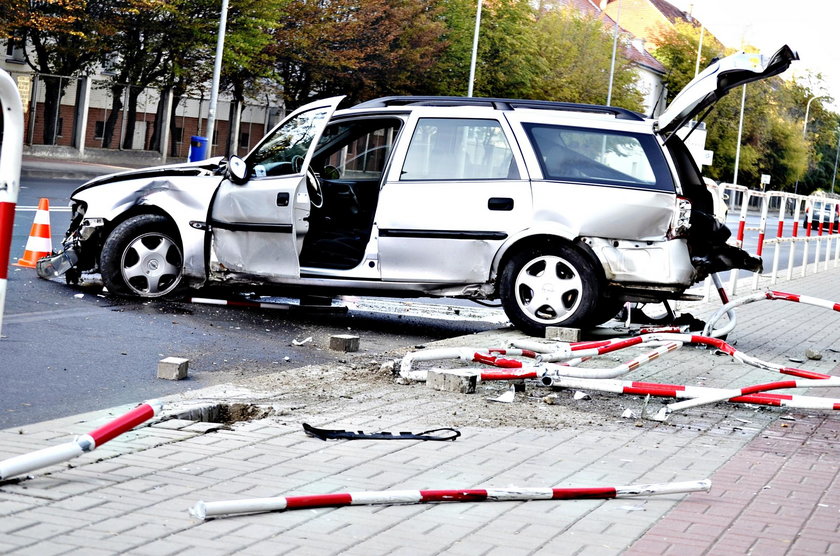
(227, 413)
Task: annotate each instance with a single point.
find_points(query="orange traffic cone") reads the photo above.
(39, 243)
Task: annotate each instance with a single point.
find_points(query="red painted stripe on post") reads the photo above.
(783, 296)
(122, 424)
(505, 375)
(795, 229)
(471, 495)
(659, 392)
(781, 229)
(620, 345)
(714, 342)
(319, 500)
(769, 386)
(801, 373)
(760, 244)
(741, 225)
(654, 385)
(7, 220)
(579, 493)
(836, 307)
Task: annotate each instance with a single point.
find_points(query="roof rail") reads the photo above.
(500, 104)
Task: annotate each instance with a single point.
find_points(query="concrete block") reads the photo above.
(452, 380)
(562, 334)
(344, 342)
(173, 368)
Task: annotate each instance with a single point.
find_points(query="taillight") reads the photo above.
(681, 221)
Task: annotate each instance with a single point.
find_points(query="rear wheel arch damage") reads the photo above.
(552, 282)
(143, 256)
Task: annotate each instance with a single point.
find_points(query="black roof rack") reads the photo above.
(500, 104)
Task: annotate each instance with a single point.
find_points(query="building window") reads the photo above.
(99, 129)
(14, 54)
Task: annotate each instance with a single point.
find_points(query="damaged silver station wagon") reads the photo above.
(561, 211)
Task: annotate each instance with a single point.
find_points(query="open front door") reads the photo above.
(258, 228)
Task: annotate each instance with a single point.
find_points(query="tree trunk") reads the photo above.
(111, 121)
(53, 91)
(131, 123)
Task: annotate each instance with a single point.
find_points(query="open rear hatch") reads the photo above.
(717, 80)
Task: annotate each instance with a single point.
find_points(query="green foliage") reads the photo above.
(576, 54)
(774, 111)
(677, 50)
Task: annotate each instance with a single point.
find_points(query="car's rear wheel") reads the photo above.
(142, 257)
(550, 286)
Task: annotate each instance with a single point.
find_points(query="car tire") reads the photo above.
(142, 257)
(549, 286)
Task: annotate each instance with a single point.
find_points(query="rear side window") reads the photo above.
(458, 149)
(600, 157)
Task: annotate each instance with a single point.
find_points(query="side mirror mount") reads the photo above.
(237, 170)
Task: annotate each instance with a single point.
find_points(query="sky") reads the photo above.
(807, 26)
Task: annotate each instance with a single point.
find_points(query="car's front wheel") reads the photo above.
(551, 286)
(142, 257)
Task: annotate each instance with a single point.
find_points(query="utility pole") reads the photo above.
(217, 70)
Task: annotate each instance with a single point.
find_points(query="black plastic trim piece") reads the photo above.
(443, 234)
(249, 227)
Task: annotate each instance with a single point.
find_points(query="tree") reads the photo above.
(576, 52)
(770, 142)
(66, 39)
(677, 50)
(360, 48)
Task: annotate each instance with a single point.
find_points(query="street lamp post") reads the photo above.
(804, 133)
(217, 70)
(614, 48)
(474, 49)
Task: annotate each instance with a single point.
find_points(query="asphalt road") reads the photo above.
(68, 350)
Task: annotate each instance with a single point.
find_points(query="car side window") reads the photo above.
(458, 149)
(600, 156)
(283, 151)
(356, 150)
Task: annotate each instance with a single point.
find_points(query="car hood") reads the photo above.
(207, 167)
(717, 80)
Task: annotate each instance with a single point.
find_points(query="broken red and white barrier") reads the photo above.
(25, 463)
(204, 510)
(239, 303)
(11, 153)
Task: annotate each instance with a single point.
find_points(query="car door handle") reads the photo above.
(282, 199)
(500, 203)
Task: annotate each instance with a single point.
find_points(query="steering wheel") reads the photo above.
(297, 163)
(313, 187)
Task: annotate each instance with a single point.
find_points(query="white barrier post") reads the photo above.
(762, 226)
(808, 217)
(795, 239)
(779, 231)
(819, 240)
(11, 153)
(829, 235)
(739, 238)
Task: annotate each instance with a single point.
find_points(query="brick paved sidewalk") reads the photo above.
(774, 481)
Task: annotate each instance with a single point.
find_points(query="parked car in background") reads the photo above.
(561, 211)
(827, 212)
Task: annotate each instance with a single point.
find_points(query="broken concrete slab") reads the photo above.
(344, 342)
(173, 368)
(562, 334)
(452, 380)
